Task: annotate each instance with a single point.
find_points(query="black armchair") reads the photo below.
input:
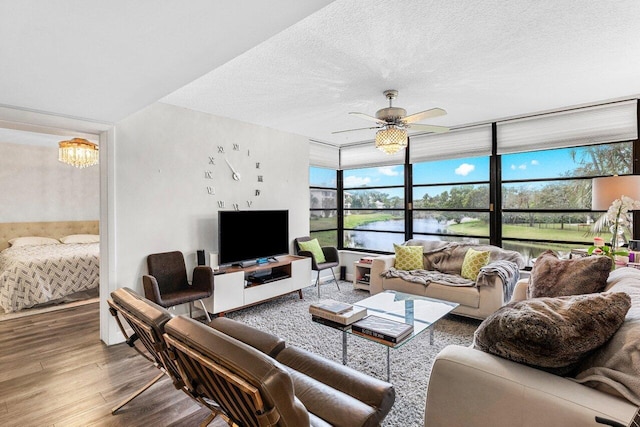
(167, 284)
(331, 259)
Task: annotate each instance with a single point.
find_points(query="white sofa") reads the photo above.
(468, 387)
(475, 301)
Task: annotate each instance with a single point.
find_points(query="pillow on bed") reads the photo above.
(33, 241)
(81, 238)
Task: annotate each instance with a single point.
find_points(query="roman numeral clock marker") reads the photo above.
(232, 170)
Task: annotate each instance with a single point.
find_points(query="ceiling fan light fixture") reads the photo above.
(391, 139)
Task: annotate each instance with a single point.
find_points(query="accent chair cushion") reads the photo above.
(554, 277)
(313, 246)
(553, 334)
(473, 261)
(408, 257)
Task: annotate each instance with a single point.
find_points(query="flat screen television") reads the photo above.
(249, 236)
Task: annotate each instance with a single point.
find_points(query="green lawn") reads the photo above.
(555, 231)
(570, 232)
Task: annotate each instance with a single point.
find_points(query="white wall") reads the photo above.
(35, 186)
(161, 201)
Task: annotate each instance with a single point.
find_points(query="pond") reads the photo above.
(382, 241)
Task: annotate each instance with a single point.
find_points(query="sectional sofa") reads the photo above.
(469, 387)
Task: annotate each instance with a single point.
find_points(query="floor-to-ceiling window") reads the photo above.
(374, 207)
(451, 200)
(323, 213)
(546, 195)
(523, 184)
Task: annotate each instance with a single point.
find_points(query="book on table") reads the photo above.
(329, 323)
(344, 318)
(382, 328)
(331, 306)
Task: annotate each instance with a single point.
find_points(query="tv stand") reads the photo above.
(237, 287)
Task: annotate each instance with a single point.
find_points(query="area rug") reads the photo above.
(288, 318)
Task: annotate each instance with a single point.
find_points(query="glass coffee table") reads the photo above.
(421, 312)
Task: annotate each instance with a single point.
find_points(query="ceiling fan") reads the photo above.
(393, 123)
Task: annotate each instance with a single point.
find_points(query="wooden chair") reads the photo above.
(330, 254)
(167, 284)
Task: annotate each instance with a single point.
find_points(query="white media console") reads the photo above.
(237, 287)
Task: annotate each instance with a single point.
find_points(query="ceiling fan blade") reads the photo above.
(429, 128)
(352, 130)
(427, 114)
(368, 117)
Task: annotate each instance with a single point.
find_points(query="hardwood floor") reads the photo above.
(55, 371)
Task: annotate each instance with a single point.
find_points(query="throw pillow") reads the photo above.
(33, 241)
(408, 257)
(553, 334)
(554, 277)
(81, 238)
(473, 261)
(313, 246)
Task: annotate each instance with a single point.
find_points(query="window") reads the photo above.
(374, 208)
(546, 195)
(451, 200)
(323, 214)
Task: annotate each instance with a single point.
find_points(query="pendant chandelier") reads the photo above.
(391, 139)
(78, 152)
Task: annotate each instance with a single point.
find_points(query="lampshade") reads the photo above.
(78, 152)
(605, 190)
(391, 139)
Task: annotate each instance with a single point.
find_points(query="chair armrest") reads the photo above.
(308, 254)
(151, 289)
(203, 279)
(371, 391)
(470, 387)
(260, 340)
(520, 290)
(379, 264)
(331, 254)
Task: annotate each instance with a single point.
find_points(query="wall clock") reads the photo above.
(236, 177)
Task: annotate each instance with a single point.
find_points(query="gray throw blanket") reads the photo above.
(427, 276)
(507, 271)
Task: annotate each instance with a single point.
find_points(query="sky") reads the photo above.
(530, 165)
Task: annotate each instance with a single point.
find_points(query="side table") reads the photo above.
(361, 275)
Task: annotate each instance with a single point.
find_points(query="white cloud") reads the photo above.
(522, 166)
(535, 162)
(513, 167)
(355, 181)
(388, 171)
(464, 169)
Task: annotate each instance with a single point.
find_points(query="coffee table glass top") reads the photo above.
(421, 312)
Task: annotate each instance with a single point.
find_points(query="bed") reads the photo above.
(37, 270)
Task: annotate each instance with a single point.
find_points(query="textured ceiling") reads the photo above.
(104, 60)
(301, 66)
(479, 60)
